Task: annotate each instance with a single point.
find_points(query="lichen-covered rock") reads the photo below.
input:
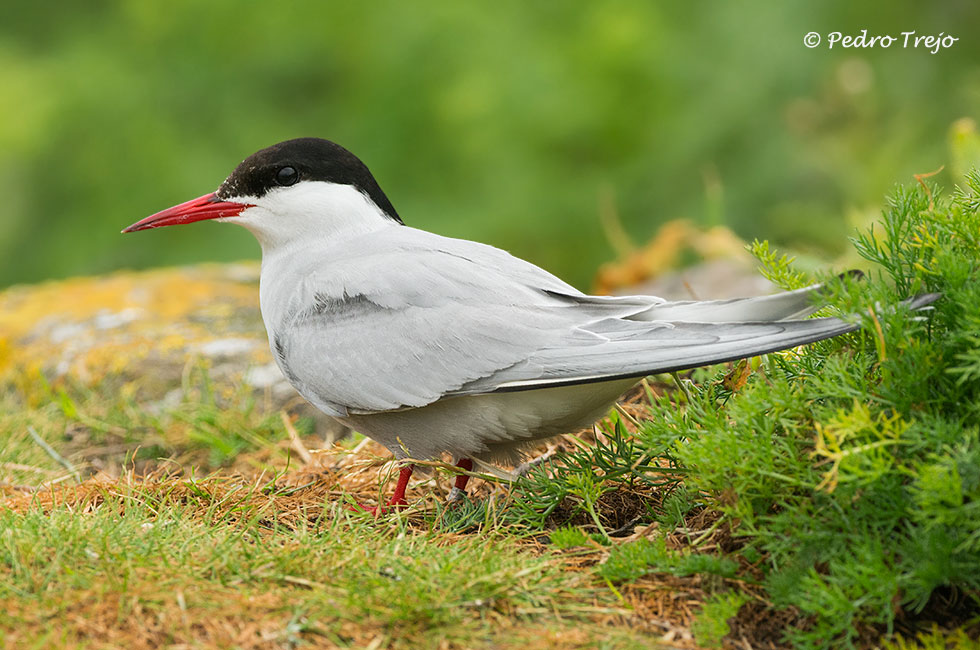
(129, 324)
(140, 329)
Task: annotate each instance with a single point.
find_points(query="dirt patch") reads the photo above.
(619, 510)
(758, 626)
(947, 608)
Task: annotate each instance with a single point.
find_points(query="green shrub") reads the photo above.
(569, 537)
(855, 462)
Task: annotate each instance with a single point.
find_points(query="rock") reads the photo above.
(686, 262)
(145, 329)
(708, 280)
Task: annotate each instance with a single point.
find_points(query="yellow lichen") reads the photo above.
(91, 327)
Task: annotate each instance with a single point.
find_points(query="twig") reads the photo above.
(350, 455)
(55, 481)
(625, 414)
(61, 460)
(629, 525)
(26, 468)
(649, 528)
(303, 582)
(680, 384)
(359, 446)
(524, 468)
(690, 289)
(294, 440)
(706, 533)
(919, 178)
(492, 478)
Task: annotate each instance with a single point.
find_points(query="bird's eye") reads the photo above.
(287, 176)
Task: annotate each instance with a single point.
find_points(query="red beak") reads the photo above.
(208, 206)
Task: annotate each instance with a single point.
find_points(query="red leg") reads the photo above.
(461, 479)
(397, 500)
(458, 492)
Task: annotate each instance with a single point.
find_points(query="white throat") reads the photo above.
(309, 211)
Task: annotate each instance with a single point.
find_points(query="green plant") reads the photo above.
(711, 625)
(630, 561)
(582, 476)
(569, 537)
(854, 462)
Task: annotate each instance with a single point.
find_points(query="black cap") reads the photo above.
(303, 159)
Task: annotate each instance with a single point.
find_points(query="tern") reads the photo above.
(433, 345)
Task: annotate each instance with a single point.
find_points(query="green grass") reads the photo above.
(198, 557)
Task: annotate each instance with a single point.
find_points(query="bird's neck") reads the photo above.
(316, 213)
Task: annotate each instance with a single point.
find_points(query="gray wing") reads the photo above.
(414, 319)
(421, 317)
(628, 349)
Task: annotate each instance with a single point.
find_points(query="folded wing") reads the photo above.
(422, 317)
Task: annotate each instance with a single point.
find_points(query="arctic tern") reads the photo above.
(433, 345)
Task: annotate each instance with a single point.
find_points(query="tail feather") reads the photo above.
(788, 305)
(611, 352)
(681, 347)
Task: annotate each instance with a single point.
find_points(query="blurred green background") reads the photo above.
(503, 122)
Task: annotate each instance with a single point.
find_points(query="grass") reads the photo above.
(252, 548)
(819, 498)
(223, 562)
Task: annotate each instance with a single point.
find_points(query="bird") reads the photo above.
(432, 345)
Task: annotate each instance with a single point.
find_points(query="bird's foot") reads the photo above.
(377, 511)
(458, 493)
(360, 507)
(456, 496)
(395, 502)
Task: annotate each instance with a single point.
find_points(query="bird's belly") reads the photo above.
(493, 426)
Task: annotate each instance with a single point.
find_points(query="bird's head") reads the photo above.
(296, 189)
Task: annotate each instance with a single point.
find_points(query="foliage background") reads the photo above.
(504, 122)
